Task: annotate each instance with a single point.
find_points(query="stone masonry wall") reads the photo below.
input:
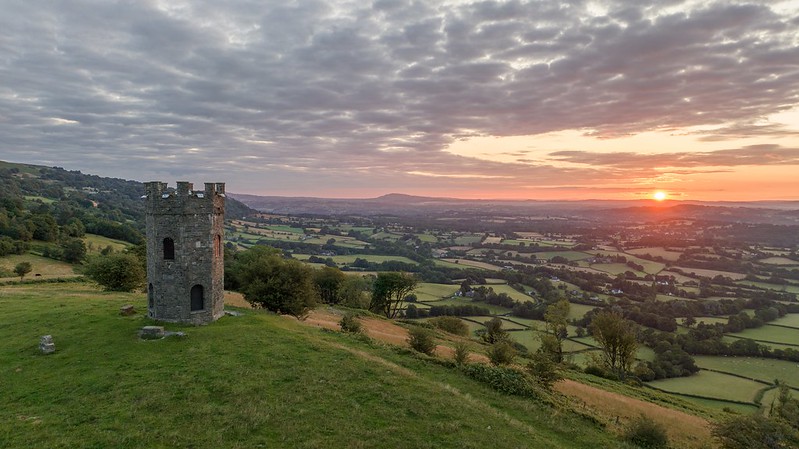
(194, 220)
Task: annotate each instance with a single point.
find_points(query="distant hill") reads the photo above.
(767, 212)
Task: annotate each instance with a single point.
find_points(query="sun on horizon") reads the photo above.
(659, 195)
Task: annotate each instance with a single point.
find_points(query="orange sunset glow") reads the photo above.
(496, 100)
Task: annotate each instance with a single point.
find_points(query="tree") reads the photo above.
(328, 282)
(556, 326)
(269, 281)
(22, 269)
(389, 292)
(73, 250)
(494, 332)
(617, 340)
(120, 272)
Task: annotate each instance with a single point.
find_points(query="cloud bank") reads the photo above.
(305, 95)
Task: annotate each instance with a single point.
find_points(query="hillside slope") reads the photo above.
(258, 380)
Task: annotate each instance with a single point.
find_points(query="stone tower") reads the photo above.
(185, 257)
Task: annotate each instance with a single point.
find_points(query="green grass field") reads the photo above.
(512, 292)
(577, 311)
(713, 385)
(656, 251)
(258, 380)
(426, 291)
(495, 310)
(775, 287)
(770, 333)
(96, 243)
(790, 320)
(756, 368)
(47, 268)
(570, 255)
(350, 258)
(472, 264)
(712, 273)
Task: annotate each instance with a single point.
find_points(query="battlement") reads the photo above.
(184, 199)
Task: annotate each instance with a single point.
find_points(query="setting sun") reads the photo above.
(659, 195)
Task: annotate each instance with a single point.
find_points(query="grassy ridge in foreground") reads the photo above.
(242, 382)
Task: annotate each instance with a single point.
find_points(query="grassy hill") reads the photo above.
(258, 380)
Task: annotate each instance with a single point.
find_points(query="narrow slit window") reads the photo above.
(150, 296)
(169, 249)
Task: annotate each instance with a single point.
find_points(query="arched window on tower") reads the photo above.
(197, 299)
(217, 246)
(169, 249)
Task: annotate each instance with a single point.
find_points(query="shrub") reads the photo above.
(451, 324)
(646, 433)
(544, 370)
(504, 379)
(501, 353)
(422, 340)
(461, 353)
(755, 431)
(120, 272)
(350, 324)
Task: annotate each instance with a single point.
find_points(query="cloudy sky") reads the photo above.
(474, 99)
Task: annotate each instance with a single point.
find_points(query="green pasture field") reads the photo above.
(563, 243)
(778, 261)
(711, 385)
(282, 228)
(467, 239)
(577, 311)
(492, 240)
(96, 243)
(712, 273)
(649, 266)
(429, 238)
(508, 325)
(510, 291)
(790, 320)
(473, 264)
(445, 263)
(473, 326)
(728, 338)
(47, 268)
(516, 242)
(770, 333)
(570, 255)
(615, 268)
(104, 387)
(710, 319)
(477, 251)
(680, 278)
(39, 198)
(385, 236)
(350, 258)
(495, 310)
(756, 368)
(426, 291)
(775, 287)
(743, 409)
(655, 252)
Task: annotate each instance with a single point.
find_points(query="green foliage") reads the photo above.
(328, 281)
(556, 317)
(461, 355)
(646, 433)
(269, 281)
(755, 432)
(450, 324)
(544, 370)
(121, 272)
(23, 268)
(73, 250)
(355, 292)
(350, 324)
(504, 379)
(501, 353)
(389, 292)
(494, 332)
(617, 339)
(421, 340)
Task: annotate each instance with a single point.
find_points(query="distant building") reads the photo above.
(185, 256)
